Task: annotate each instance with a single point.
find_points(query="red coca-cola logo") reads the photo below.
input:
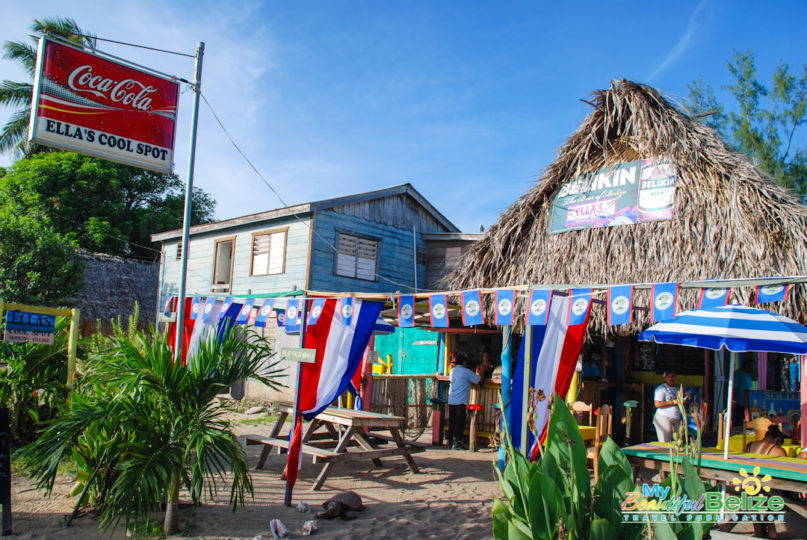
(128, 92)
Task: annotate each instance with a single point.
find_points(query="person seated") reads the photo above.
(591, 367)
(771, 445)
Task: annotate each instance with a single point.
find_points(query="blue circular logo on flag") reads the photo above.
(505, 306)
(347, 311)
(315, 311)
(664, 301)
(208, 307)
(265, 310)
(246, 309)
(406, 311)
(195, 307)
(770, 290)
(538, 307)
(439, 311)
(714, 294)
(619, 305)
(579, 306)
(472, 308)
(291, 313)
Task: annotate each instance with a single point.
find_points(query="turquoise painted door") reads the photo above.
(414, 350)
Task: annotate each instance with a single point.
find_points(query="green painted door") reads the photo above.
(414, 350)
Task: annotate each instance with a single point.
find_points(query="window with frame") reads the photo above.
(356, 257)
(268, 253)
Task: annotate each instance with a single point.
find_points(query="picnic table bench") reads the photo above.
(349, 435)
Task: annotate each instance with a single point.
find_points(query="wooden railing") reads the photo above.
(406, 395)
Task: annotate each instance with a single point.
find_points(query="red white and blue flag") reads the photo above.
(264, 312)
(555, 349)
(665, 301)
(771, 293)
(713, 297)
(339, 353)
(246, 311)
(620, 305)
(505, 300)
(406, 311)
(472, 308)
(438, 311)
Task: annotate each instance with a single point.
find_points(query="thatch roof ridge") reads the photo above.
(730, 220)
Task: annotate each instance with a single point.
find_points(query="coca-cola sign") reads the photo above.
(94, 105)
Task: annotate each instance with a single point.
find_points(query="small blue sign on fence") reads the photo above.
(24, 327)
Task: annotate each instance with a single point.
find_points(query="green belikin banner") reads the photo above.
(624, 194)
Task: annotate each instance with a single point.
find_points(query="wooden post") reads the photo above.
(72, 344)
(525, 389)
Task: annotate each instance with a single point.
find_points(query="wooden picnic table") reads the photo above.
(789, 474)
(342, 435)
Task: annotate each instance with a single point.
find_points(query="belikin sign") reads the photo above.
(91, 104)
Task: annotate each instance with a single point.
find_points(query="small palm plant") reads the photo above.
(159, 423)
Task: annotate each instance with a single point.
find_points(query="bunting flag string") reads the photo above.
(316, 311)
(264, 312)
(665, 300)
(472, 308)
(619, 305)
(771, 293)
(406, 311)
(246, 311)
(713, 297)
(438, 311)
(538, 312)
(504, 306)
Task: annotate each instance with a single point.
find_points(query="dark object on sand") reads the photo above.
(346, 505)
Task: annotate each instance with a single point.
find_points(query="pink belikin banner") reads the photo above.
(96, 106)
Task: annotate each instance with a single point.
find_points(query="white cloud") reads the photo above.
(684, 41)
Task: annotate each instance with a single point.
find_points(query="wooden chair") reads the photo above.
(760, 427)
(602, 432)
(579, 410)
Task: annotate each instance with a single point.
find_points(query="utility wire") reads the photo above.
(279, 197)
(135, 45)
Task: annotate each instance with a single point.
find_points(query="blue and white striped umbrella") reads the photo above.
(735, 327)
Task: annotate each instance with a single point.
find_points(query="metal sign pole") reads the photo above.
(186, 223)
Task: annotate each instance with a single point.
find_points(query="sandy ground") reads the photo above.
(450, 498)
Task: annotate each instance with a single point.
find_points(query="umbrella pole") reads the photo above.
(729, 400)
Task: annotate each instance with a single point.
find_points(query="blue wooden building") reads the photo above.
(369, 242)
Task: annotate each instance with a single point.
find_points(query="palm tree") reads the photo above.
(159, 426)
(17, 95)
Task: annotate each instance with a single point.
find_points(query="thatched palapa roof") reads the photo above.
(730, 220)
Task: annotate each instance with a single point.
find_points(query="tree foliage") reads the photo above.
(108, 207)
(765, 122)
(17, 95)
(38, 264)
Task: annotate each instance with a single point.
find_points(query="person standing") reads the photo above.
(667, 419)
(459, 390)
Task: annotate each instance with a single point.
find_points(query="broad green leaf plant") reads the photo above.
(151, 426)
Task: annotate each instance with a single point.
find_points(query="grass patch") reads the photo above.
(259, 419)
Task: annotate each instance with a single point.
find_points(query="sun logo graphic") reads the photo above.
(751, 483)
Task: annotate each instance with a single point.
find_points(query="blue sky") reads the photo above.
(468, 101)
